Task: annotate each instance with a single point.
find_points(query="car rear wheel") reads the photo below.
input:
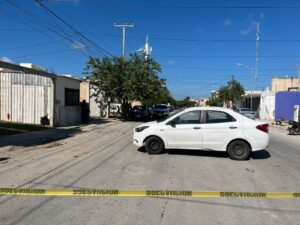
(154, 145)
(239, 150)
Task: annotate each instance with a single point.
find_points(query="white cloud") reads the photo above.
(77, 45)
(251, 26)
(227, 22)
(6, 59)
(171, 62)
(252, 21)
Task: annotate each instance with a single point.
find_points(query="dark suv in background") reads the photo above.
(160, 111)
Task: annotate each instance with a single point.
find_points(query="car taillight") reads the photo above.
(263, 127)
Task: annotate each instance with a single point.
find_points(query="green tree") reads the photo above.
(128, 79)
(186, 102)
(232, 92)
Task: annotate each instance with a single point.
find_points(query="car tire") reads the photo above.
(239, 150)
(154, 145)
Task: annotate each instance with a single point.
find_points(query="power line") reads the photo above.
(120, 15)
(37, 21)
(16, 29)
(45, 53)
(218, 69)
(85, 30)
(136, 30)
(33, 45)
(222, 40)
(140, 5)
(225, 56)
(72, 28)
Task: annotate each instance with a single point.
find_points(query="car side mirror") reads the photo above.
(172, 123)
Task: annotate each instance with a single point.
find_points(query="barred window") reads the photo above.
(71, 97)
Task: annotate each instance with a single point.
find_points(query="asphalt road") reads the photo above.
(103, 157)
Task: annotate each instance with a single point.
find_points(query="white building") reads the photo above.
(267, 105)
(34, 66)
(27, 95)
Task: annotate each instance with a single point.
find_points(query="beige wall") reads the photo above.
(85, 91)
(136, 103)
(284, 84)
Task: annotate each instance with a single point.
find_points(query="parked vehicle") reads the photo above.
(246, 112)
(140, 113)
(294, 127)
(159, 111)
(206, 128)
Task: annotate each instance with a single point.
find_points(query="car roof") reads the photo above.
(209, 108)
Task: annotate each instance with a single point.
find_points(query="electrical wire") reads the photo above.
(37, 21)
(105, 52)
(33, 45)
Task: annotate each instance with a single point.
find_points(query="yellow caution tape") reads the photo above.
(145, 193)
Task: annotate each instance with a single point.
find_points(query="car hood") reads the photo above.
(148, 124)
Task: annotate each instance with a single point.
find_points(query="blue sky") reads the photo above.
(210, 38)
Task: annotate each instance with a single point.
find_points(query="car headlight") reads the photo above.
(140, 129)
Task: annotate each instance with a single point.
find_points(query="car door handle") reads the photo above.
(232, 127)
(196, 128)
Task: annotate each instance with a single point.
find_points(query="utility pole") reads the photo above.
(252, 76)
(257, 54)
(124, 26)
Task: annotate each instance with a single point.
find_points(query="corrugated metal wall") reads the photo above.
(25, 98)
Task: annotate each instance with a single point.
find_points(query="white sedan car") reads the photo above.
(205, 128)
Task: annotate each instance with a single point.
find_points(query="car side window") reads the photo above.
(218, 117)
(192, 117)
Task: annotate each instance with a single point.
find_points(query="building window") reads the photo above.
(71, 97)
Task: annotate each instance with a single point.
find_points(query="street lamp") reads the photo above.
(252, 74)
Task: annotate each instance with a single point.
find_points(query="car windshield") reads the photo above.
(169, 116)
(245, 110)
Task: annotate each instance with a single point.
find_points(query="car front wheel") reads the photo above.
(154, 145)
(239, 150)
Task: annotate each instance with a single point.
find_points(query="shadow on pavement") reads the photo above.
(201, 153)
(189, 152)
(261, 154)
(94, 121)
(38, 137)
(48, 135)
